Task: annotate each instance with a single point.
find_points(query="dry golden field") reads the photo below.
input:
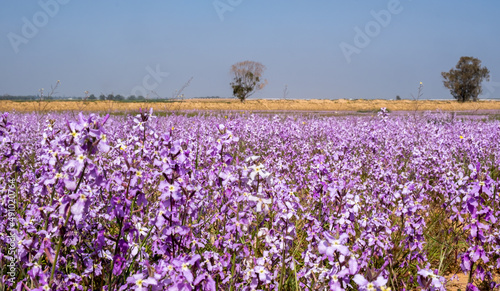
(251, 105)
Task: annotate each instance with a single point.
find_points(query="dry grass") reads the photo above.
(253, 105)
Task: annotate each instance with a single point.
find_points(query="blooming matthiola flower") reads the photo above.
(75, 165)
(428, 279)
(138, 282)
(374, 285)
(258, 171)
(261, 203)
(476, 226)
(170, 190)
(80, 206)
(332, 245)
(101, 139)
(337, 278)
(119, 265)
(383, 113)
(261, 272)
(121, 145)
(113, 202)
(184, 266)
(138, 124)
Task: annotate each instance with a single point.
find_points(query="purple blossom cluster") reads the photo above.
(242, 201)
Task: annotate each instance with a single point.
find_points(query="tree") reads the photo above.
(110, 97)
(247, 79)
(132, 98)
(465, 80)
(102, 97)
(92, 97)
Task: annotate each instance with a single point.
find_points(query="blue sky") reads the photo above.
(114, 46)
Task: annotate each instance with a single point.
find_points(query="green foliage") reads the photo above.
(247, 79)
(465, 80)
(242, 89)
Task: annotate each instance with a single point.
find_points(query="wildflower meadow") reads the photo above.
(242, 201)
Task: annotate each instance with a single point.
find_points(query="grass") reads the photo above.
(360, 106)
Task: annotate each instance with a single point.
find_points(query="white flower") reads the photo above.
(262, 272)
(80, 158)
(260, 171)
(121, 145)
(74, 134)
(252, 159)
(262, 231)
(261, 202)
(142, 230)
(435, 278)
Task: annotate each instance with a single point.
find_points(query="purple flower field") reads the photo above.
(238, 201)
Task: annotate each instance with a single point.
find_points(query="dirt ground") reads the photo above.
(252, 105)
(459, 284)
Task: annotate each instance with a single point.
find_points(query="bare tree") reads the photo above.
(285, 92)
(41, 105)
(177, 94)
(247, 79)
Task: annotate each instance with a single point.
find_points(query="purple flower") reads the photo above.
(436, 281)
(262, 273)
(74, 167)
(119, 265)
(260, 202)
(364, 284)
(331, 245)
(474, 226)
(139, 283)
(80, 206)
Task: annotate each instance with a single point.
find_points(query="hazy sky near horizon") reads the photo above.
(319, 49)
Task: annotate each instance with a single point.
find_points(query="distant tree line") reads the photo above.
(117, 97)
(36, 98)
(92, 97)
(18, 98)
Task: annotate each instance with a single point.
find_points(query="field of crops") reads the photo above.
(239, 201)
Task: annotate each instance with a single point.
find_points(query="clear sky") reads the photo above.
(320, 49)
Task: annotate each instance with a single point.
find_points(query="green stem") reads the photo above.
(114, 255)
(60, 243)
(470, 273)
(64, 227)
(282, 277)
(233, 265)
(140, 246)
(296, 281)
